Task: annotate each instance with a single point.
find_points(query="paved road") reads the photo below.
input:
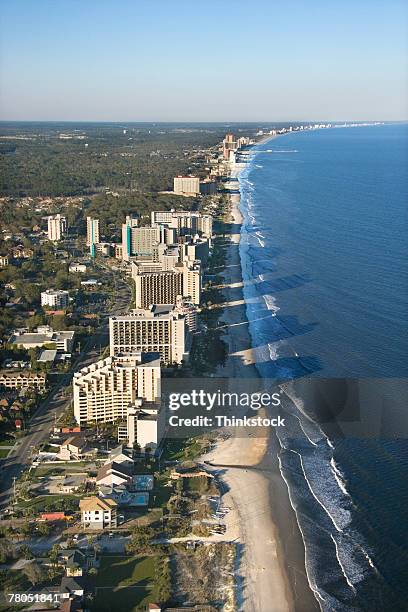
(54, 405)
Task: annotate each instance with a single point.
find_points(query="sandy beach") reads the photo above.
(271, 573)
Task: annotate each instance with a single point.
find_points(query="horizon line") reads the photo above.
(227, 122)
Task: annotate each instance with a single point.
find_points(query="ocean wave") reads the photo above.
(288, 390)
(335, 584)
(273, 350)
(342, 567)
(353, 559)
(308, 434)
(339, 516)
(270, 303)
(311, 578)
(339, 477)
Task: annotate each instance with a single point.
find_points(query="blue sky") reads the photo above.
(203, 60)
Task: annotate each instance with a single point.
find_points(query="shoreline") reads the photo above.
(272, 573)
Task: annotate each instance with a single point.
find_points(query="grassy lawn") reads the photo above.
(46, 501)
(47, 471)
(4, 452)
(125, 583)
(182, 450)
(50, 449)
(61, 468)
(161, 493)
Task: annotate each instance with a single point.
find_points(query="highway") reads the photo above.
(55, 403)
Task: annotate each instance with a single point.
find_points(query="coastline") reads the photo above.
(272, 573)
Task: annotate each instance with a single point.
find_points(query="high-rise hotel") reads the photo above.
(92, 234)
(160, 328)
(137, 240)
(104, 391)
(183, 222)
(186, 185)
(155, 285)
(57, 227)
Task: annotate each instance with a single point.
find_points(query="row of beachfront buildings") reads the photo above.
(166, 261)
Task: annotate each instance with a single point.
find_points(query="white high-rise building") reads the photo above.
(167, 255)
(161, 329)
(192, 281)
(183, 222)
(92, 234)
(229, 145)
(195, 248)
(139, 241)
(104, 390)
(57, 227)
(145, 426)
(55, 298)
(186, 185)
(190, 312)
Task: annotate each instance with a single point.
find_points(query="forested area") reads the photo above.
(54, 160)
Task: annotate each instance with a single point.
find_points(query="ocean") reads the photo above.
(323, 252)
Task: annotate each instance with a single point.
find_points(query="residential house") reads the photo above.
(76, 561)
(119, 455)
(22, 252)
(98, 513)
(71, 587)
(77, 267)
(72, 604)
(76, 448)
(114, 474)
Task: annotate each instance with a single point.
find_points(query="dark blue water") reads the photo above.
(324, 251)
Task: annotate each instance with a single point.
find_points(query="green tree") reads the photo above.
(6, 550)
(140, 541)
(34, 572)
(44, 529)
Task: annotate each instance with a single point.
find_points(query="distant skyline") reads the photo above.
(196, 61)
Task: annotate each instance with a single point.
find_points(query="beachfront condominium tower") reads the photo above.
(137, 240)
(128, 228)
(183, 222)
(195, 248)
(186, 185)
(57, 227)
(154, 285)
(103, 391)
(229, 144)
(160, 328)
(92, 234)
